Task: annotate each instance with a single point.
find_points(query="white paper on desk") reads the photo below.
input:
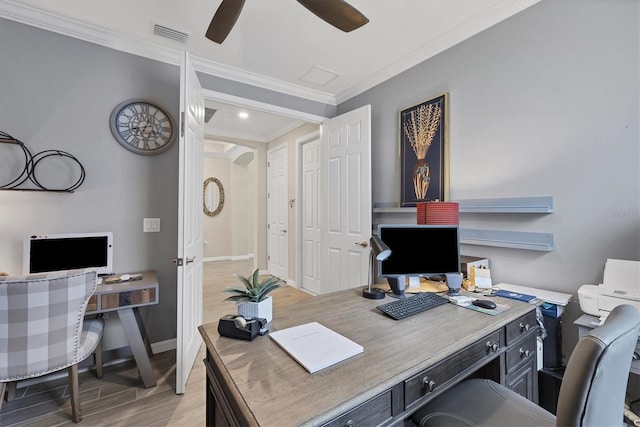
(315, 346)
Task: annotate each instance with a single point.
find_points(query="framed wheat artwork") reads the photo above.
(424, 152)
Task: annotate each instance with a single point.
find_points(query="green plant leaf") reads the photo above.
(244, 280)
(256, 278)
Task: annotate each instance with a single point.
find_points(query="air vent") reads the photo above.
(170, 33)
(208, 113)
(319, 76)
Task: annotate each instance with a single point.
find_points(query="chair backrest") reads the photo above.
(595, 380)
(41, 318)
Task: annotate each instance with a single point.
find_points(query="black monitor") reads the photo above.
(418, 251)
(60, 252)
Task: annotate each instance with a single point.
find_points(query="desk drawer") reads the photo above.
(93, 304)
(520, 353)
(127, 298)
(521, 326)
(373, 412)
(437, 376)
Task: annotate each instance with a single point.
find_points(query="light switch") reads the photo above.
(151, 225)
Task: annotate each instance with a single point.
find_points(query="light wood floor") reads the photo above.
(119, 397)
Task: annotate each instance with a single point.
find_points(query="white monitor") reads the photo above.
(60, 252)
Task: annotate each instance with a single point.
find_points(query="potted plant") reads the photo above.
(252, 298)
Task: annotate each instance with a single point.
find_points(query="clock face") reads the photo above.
(142, 127)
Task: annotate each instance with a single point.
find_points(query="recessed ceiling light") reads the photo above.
(243, 114)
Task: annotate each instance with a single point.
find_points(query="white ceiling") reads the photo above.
(276, 44)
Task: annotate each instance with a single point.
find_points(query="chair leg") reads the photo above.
(3, 386)
(97, 355)
(11, 390)
(76, 413)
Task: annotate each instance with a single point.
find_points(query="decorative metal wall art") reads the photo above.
(31, 163)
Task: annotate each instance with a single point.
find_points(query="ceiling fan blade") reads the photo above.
(224, 20)
(338, 13)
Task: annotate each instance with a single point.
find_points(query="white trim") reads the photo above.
(231, 154)
(262, 106)
(228, 258)
(216, 259)
(162, 346)
(298, 192)
(254, 79)
(241, 257)
(500, 11)
(29, 15)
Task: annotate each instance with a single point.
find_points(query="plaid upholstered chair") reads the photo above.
(43, 329)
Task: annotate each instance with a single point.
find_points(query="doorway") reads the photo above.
(260, 148)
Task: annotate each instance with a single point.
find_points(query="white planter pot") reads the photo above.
(262, 309)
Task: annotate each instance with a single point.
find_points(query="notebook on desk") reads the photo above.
(315, 346)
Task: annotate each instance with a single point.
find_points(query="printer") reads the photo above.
(620, 285)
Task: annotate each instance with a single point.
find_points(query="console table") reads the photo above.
(126, 298)
(404, 364)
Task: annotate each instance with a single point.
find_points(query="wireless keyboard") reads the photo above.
(412, 305)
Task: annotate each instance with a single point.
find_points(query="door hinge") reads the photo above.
(268, 226)
(178, 262)
(182, 123)
(268, 257)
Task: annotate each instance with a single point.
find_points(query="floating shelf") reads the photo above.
(533, 241)
(508, 239)
(536, 204)
(542, 204)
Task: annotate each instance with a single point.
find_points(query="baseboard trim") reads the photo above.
(162, 346)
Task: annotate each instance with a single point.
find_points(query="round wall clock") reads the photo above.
(142, 127)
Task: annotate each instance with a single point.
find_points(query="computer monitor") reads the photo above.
(418, 251)
(60, 252)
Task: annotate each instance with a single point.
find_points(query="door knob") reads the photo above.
(363, 244)
(190, 260)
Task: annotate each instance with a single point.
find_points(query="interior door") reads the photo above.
(190, 248)
(310, 217)
(278, 213)
(346, 199)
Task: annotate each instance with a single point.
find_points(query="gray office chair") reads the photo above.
(592, 391)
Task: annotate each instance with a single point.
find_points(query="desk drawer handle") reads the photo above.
(524, 353)
(430, 385)
(524, 328)
(492, 347)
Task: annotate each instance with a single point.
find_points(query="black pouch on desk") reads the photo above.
(227, 327)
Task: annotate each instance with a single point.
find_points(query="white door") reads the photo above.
(346, 199)
(277, 213)
(189, 298)
(310, 217)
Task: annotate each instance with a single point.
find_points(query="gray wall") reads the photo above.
(544, 103)
(57, 93)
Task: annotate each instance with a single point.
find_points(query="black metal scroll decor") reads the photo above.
(31, 164)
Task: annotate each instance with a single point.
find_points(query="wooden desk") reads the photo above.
(126, 298)
(404, 364)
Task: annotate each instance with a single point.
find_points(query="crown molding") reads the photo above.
(480, 22)
(247, 77)
(45, 20)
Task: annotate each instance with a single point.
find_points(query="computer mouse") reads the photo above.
(125, 277)
(484, 304)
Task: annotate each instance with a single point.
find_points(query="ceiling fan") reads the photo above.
(338, 13)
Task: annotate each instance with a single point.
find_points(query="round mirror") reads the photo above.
(213, 196)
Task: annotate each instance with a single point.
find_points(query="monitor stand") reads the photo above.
(397, 284)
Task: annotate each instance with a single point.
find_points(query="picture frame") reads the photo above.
(424, 151)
